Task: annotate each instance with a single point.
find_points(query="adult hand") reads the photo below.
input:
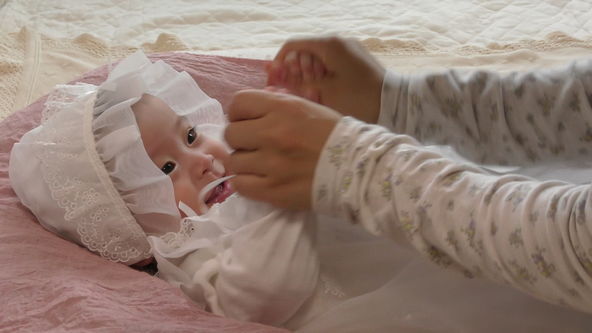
(277, 140)
(336, 72)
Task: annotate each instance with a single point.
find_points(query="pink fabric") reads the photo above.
(47, 283)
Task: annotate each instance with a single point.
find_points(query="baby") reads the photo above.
(124, 170)
(85, 174)
(121, 170)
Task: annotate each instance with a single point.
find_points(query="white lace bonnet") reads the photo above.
(84, 171)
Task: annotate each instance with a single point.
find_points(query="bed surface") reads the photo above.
(233, 25)
(47, 42)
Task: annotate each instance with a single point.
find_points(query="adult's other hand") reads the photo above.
(336, 72)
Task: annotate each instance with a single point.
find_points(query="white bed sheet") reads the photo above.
(211, 25)
(43, 43)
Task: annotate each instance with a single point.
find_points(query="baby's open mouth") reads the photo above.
(219, 193)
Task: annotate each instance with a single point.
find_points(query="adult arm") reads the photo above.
(533, 235)
(516, 118)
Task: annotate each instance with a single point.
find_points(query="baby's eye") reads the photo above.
(168, 167)
(191, 135)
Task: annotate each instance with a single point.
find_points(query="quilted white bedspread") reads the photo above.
(43, 43)
(232, 25)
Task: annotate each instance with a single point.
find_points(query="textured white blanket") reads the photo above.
(237, 24)
(65, 38)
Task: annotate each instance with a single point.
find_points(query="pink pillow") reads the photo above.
(48, 283)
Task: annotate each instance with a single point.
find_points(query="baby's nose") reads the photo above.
(201, 164)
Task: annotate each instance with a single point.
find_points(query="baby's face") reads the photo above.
(191, 159)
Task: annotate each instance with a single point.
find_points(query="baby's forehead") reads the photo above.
(148, 101)
(155, 118)
(149, 106)
(154, 114)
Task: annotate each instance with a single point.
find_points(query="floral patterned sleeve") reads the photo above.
(517, 118)
(536, 236)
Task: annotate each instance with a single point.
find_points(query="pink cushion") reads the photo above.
(47, 283)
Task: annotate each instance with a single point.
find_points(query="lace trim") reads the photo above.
(129, 222)
(95, 209)
(12, 53)
(17, 91)
(176, 239)
(63, 95)
(553, 41)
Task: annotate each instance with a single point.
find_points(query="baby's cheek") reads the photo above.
(185, 192)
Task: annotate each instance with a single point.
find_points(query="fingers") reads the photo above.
(306, 67)
(293, 68)
(276, 74)
(251, 186)
(301, 74)
(245, 113)
(318, 69)
(285, 195)
(250, 104)
(247, 163)
(301, 65)
(244, 134)
(297, 67)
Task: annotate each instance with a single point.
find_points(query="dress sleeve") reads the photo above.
(261, 272)
(535, 236)
(270, 269)
(516, 118)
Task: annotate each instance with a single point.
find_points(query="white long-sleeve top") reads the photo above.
(531, 234)
(244, 260)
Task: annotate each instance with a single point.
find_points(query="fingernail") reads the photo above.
(305, 62)
(291, 56)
